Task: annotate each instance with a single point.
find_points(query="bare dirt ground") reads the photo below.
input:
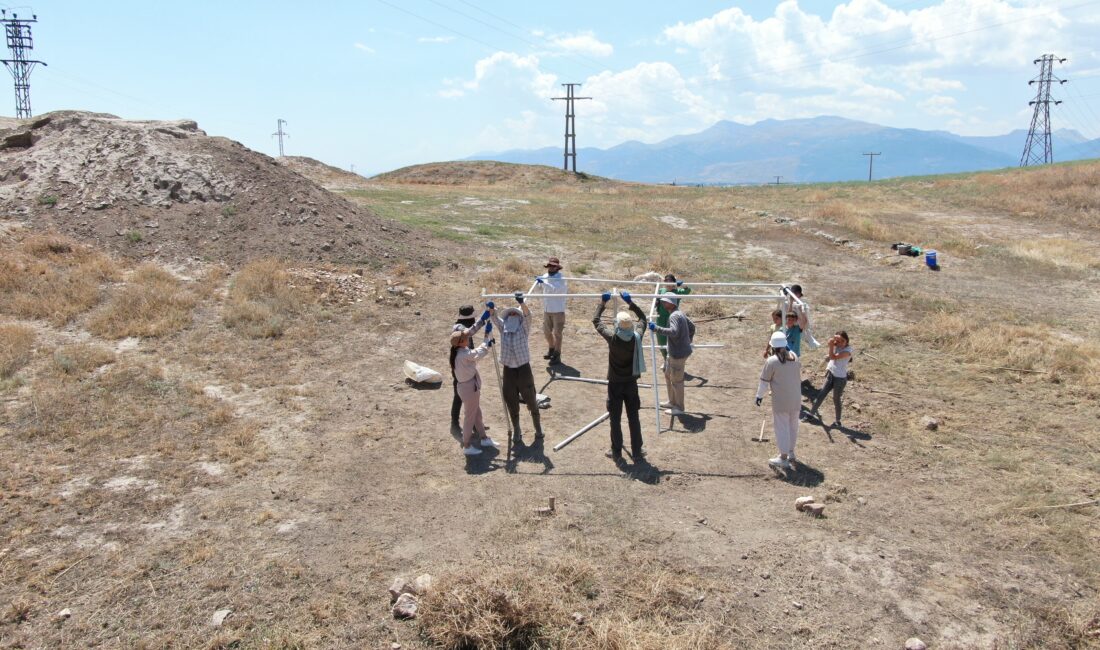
(279, 466)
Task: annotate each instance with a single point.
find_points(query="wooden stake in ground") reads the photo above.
(763, 423)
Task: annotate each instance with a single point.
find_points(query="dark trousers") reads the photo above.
(521, 382)
(456, 403)
(835, 384)
(618, 395)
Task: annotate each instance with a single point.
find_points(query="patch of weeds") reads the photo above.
(229, 210)
(48, 200)
(134, 236)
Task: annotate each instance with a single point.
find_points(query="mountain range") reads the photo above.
(819, 149)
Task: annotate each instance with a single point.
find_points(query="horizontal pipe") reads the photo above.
(589, 380)
(698, 346)
(694, 296)
(587, 427)
(775, 285)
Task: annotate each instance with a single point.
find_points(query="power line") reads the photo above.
(570, 125)
(20, 42)
(1040, 118)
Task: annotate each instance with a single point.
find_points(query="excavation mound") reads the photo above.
(327, 176)
(166, 189)
(487, 173)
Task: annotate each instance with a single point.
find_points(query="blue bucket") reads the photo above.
(930, 259)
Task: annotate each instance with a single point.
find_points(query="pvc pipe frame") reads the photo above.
(589, 380)
(646, 296)
(584, 430)
(694, 284)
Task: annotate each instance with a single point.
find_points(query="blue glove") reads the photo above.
(538, 281)
(625, 296)
(679, 283)
(490, 305)
(489, 343)
(485, 316)
(759, 400)
(605, 296)
(652, 326)
(519, 297)
(488, 329)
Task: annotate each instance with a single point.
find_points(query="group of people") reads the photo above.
(675, 332)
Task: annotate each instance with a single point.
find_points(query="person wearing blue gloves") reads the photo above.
(679, 334)
(553, 308)
(625, 364)
(674, 286)
(464, 366)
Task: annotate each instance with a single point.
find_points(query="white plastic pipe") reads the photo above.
(653, 357)
(643, 296)
(699, 346)
(588, 380)
(774, 285)
(588, 427)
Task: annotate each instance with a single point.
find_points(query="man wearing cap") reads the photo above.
(465, 320)
(782, 373)
(625, 363)
(679, 334)
(515, 356)
(553, 308)
(677, 287)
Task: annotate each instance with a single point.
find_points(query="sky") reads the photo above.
(380, 84)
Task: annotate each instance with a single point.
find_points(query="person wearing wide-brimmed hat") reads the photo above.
(465, 320)
(469, 384)
(515, 355)
(782, 373)
(679, 334)
(553, 308)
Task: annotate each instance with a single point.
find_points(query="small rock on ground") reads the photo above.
(801, 502)
(930, 423)
(913, 643)
(406, 606)
(219, 617)
(816, 509)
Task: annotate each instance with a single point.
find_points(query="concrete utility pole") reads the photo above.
(570, 125)
(280, 134)
(20, 42)
(871, 164)
(1040, 119)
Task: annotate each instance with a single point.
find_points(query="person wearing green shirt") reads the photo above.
(677, 287)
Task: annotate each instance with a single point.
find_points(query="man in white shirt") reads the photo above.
(553, 308)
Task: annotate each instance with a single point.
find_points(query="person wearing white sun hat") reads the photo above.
(782, 373)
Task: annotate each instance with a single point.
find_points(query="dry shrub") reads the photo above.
(52, 278)
(153, 303)
(835, 210)
(16, 346)
(1028, 347)
(1062, 193)
(708, 309)
(1057, 627)
(1058, 251)
(664, 262)
(510, 276)
(262, 300)
(77, 360)
(529, 604)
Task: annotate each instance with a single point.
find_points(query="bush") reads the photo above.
(262, 300)
(52, 278)
(16, 345)
(153, 303)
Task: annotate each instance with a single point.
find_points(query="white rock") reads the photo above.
(399, 586)
(801, 502)
(913, 643)
(422, 584)
(930, 423)
(219, 617)
(816, 509)
(578, 618)
(406, 606)
(64, 614)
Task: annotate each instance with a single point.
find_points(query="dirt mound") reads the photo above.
(487, 173)
(166, 189)
(327, 176)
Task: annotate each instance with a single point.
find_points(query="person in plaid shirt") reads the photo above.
(515, 355)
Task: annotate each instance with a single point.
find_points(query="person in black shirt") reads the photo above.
(625, 363)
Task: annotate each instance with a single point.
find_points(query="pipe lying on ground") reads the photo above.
(591, 425)
(643, 296)
(590, 381)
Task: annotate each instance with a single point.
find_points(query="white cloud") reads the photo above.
(435, 39)
(940, 105)
(364, 48)
(511, 69)
(584, 43)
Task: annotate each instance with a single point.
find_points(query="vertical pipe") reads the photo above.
(653, 358)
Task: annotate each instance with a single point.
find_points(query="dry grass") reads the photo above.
(75, 361)
(262, 300)
(16, 347)
(153, 303)
(52, 278)
(511, 275)
(1068, 194)
(529, 603)
(1058, 251)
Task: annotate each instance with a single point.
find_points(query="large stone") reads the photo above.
(816, 509)
(801, 502)
(422, 584)
(399, 586)
(18, 140)
(406, 606)
(913, 643)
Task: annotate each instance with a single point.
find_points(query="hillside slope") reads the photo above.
(327, 176)
(485, 173)
(167, 189)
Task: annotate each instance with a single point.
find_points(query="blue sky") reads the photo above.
(386, 83)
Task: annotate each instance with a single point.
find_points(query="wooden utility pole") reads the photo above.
(871, 164)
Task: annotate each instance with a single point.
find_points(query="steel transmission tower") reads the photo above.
(1036, 152)
(570, 125)
(280, 133)
(20, 43)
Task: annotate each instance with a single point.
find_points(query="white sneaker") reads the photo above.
(471, 451)
(666, 405)
(780, 462)
(489, 442)
(791, 460)
(673, 411)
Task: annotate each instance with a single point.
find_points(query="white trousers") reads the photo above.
(786, 430)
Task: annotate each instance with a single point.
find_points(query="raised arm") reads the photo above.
(639, 326)
(597, 322)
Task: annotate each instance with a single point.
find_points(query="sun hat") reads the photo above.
(457, 336)
(466, 311)
(669, 299)
(624, 319)
(553, 262)
(778, 340)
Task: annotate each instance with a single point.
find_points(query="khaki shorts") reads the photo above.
(553, 324)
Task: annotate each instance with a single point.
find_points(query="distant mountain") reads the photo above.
(816, 149)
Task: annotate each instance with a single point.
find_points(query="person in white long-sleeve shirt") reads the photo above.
(782, 373)
(469, 385)
(553, 308)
